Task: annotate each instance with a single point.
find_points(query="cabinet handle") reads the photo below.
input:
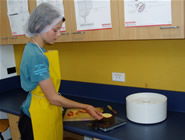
(169, 27)
(13, 37)
(3, 38)
(78, 32)
(64, 33)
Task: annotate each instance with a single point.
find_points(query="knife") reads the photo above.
(111, 109)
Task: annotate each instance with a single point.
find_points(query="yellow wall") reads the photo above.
(158, 64)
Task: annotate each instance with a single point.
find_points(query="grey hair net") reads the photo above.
(42, 19)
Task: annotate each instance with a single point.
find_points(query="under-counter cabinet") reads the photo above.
(14, 119)
(174, 31)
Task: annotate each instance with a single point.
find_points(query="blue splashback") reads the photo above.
(176, 100)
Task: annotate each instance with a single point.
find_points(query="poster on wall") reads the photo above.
(58, 4)
(147, 13)
(93, 15)
(17, 14)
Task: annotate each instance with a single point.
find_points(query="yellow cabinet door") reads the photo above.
(174, 31)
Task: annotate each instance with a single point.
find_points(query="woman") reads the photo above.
(41, 116)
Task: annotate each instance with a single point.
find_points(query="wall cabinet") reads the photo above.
(175, 31)
(71, 33)
(118, 31)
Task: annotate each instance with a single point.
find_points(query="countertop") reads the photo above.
(171, 129)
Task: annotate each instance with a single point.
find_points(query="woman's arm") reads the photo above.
(55, 99)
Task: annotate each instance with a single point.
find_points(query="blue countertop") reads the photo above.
(170, 129)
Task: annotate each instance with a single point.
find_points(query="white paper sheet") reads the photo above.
(18, 15)
(16, 6)
(17, 22)
(93, 14)
(147, 12)
(58, 4)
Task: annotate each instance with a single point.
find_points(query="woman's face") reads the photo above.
(53, 34)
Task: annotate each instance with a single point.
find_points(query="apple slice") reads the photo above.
(106, 115)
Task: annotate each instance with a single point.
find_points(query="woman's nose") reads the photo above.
(58, 33)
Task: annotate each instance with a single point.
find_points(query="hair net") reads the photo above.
(42, 19)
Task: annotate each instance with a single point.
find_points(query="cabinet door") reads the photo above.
(66, 36)
(174, 31)
(5, 30)
(13, 121)
(96, 35)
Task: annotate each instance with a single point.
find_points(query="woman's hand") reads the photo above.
(55, 99)
(93, 112)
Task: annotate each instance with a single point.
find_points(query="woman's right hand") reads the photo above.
(93, 112)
